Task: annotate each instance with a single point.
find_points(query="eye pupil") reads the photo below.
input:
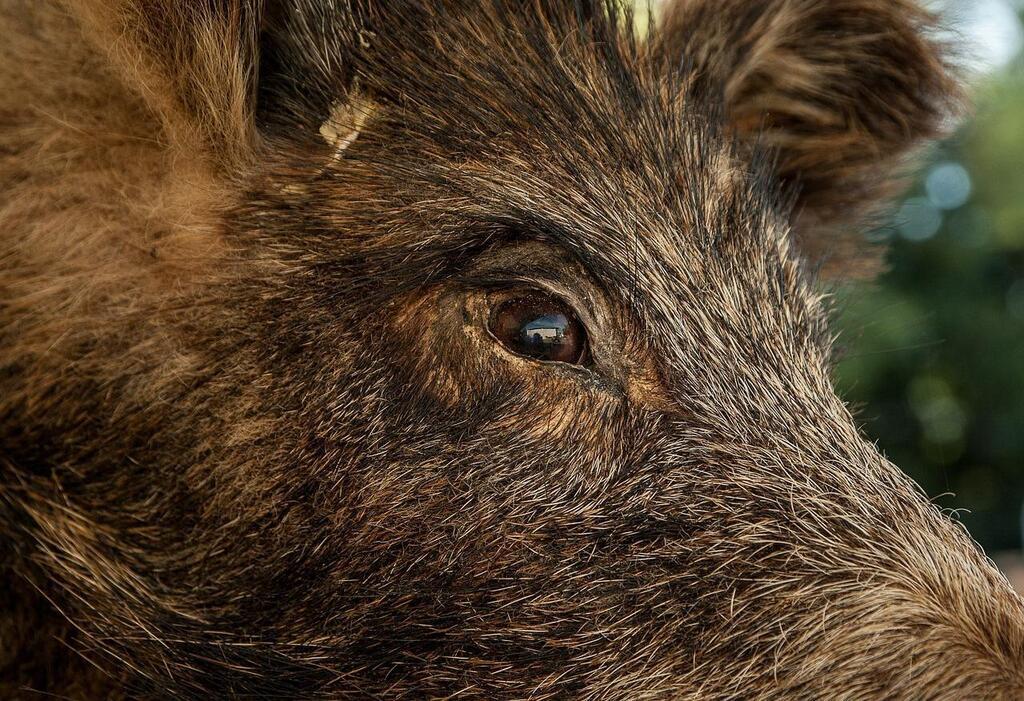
(539, 327)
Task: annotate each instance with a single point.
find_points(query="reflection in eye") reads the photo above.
(541, 327)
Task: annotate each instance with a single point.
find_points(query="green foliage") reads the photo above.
(934, 350)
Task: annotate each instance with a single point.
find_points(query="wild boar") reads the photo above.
(462, 348)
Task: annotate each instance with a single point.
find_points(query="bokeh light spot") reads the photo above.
(991, 30)
(918, 219)
(948, 186)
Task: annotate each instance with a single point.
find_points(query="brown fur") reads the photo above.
(843, 89)
(258, 443)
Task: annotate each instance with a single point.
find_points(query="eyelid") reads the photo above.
(513, 283)
(549, 268)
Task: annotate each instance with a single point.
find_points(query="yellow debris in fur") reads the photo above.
(346, 120)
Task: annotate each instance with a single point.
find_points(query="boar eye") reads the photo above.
(541, 327)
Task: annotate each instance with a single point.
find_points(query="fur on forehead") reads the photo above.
(537, 115)
(499, 122)
(567, 88)
(563, 86)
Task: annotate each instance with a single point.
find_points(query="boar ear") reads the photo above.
(192, 62)
(218, 73)
(844, 90)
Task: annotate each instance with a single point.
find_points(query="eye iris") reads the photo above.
(539, 327)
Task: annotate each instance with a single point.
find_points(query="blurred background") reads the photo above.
(932, 353)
